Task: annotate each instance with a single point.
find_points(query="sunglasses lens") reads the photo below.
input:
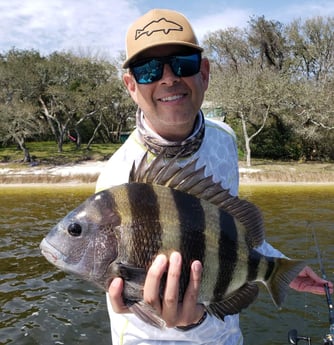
(186, 66)
(149, 71)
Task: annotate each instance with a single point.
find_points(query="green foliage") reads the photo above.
(47, 153)
(58, 95)
(278, 142)
(273, 82)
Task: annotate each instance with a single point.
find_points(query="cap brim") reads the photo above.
(186, 44)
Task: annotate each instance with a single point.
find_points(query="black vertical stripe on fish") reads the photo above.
(227, 252)
(186, 211)
(253, 263)
(145, 215)
(192, 232)
(270, 268)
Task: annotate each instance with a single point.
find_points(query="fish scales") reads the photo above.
(145, 222)
(164, 220)
(163, 208)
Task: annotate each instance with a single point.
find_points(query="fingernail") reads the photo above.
(160, 260)
(115, 283)
(175, 258)
(197, 266)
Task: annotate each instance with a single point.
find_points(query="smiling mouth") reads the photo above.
(171, 98)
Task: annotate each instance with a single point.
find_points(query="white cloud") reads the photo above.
(222, 20)
(99, 26)
(53, 25)
(311, 9)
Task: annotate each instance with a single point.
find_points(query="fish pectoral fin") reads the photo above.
(134, 279)
(148, 314)
(234, 303)
(131, 273)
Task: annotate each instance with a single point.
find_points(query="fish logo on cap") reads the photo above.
(154, 26)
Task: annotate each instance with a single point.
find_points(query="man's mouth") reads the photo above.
(171, 98)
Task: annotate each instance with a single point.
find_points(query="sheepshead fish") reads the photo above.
(119, 231)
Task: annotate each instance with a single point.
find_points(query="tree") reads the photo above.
(74, 92)
(245, 87)
(19, 123)
(19, 85)
(312, 47)
(267, 37)
(251, 96)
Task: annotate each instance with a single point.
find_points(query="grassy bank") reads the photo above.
(87, 172)
(83, 166)
(289, 172)
(46, 153)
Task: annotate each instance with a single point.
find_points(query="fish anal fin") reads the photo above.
(278, 283)
(233, 304)
(148, 314)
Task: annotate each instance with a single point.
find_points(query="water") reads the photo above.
(40, 305)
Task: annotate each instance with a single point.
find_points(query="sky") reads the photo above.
(98, 27)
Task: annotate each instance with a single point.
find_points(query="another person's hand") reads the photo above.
(174, 313)
(308, 281)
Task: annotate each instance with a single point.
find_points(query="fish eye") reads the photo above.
(74, 229)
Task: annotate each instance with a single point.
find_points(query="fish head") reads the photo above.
(85, 241)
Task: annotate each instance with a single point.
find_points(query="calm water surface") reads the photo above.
(40, 305)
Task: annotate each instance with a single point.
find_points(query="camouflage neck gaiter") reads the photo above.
(156, 144)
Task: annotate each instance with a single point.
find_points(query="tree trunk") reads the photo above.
(247, 140)
(27, 157)
(23, 148)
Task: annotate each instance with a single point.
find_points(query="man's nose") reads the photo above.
(168, 76)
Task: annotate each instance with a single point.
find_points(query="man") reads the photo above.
(167, 78)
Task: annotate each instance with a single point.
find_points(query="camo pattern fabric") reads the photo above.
(156, 144)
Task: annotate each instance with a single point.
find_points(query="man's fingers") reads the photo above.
(115, 296)
(152, 282)
(173, 312)
(191, 311)
(193, 289)
(171, 295)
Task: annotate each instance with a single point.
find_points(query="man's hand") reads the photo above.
(174, 313)
(308, 281)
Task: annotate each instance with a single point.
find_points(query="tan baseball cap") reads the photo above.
(158, 27)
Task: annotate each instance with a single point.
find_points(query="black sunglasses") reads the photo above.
(150, 70)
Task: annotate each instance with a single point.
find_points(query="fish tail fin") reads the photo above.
(278, 283)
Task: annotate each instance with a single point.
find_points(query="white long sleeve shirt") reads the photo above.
(218, 152)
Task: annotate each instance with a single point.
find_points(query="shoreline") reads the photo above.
(79, 184)
(86, 173)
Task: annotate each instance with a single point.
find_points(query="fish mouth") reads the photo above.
(53, 255)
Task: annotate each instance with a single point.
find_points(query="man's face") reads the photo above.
(170, 105)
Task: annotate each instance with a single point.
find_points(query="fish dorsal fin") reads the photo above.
(192, 180)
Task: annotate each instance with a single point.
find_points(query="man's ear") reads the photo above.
(129, 82)
(205, 72)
